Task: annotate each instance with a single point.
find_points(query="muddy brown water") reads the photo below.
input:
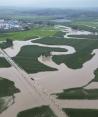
(53, 82)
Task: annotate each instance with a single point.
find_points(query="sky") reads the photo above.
(50, 3)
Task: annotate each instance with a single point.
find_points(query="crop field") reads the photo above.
(78, 93)
(28, 58)
(43, 111)
(7, 88)
(85, 25)
(81, 112)
(4, 63)
(84, 36)
(30, 34)
(29, 17)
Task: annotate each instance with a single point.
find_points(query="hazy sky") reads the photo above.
(50, 3)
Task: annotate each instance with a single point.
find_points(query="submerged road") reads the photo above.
(43, 94)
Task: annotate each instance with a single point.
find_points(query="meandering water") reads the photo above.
(53, 82)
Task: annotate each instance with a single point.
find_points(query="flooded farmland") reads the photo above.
(52, 81)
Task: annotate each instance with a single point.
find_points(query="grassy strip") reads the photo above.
(76, 60)
(96, 76)
(24, 35)
(4, 63)
(28, 58)
(81, 112)
(84, 36)
(78, 93)
(59, 34)
(31, 18)
(2, 102)
(43, 111)
(91, 26)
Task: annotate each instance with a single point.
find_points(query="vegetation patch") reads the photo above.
(33, 37)
(7, 88)
(2, 102)
(8, 43)
(4, 63)
(29, 34)
(91, 26)
(28, 58)
(78, 93)
(96, 76)
(81, 112)
(84, 36)
(43, 111)
(59, 34)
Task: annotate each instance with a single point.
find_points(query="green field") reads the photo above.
(28, 58)
(85, 25)
(84, 36)
(81, 112)
(4, 63)
(24, 35)
(32, 18)
(83, 48)
(2, 105)
(96, 76)
(7, 88)
(78, 93)
(43, 111)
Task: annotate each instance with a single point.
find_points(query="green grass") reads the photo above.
(31, 18)
(2, 105)
(28, 58)
(81, 112)
(59, 34)
(4, 63)
(96, 76)
(78, 93)
(84, 36)
(43, 111)
(88, 23)
(7, 88)
(83, 48)
(24, 35)
(85, 25)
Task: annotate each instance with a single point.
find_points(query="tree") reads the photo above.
(9, 42)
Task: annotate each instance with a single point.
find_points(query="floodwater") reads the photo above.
(26, 99)
(65, 77)
(53, 81)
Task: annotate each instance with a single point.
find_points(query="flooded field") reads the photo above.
(52, 81)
